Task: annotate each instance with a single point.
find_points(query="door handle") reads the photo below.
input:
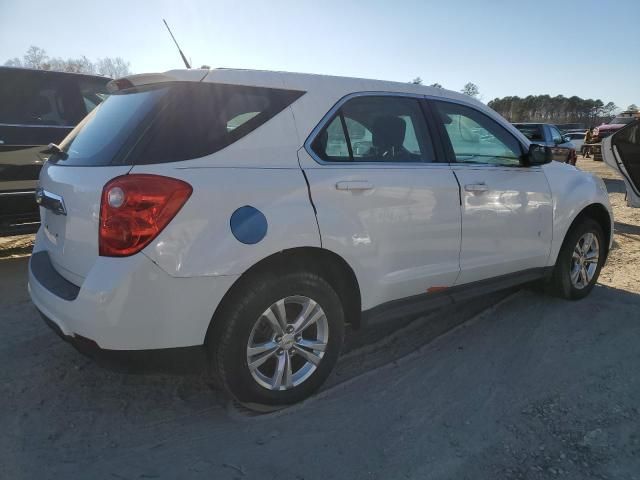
(354, 186)
(476, 187)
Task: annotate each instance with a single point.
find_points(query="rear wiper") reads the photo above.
(53, 149)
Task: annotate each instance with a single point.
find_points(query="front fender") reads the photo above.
(573, 190)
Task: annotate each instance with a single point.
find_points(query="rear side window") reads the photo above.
(532, 132)
(376, 129)
(36, 98)
(170, 122)
(556, 136)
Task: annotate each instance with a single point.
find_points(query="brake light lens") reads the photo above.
(135, 208)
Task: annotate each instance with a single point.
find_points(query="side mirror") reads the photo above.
(567, 138)
(538, 155)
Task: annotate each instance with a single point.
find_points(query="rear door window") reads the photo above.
(376, 129)
(170, 122)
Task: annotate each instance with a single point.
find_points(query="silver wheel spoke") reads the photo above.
(281, 314)
(584, 276)
(588, 240)
(592, 257)
(312, 345)
(273, 321)
(282, 375)
(257, 362)
(288, 375)
(308, 356)
(261, 348)
(303, 322)
(575, 274)
(276, 380)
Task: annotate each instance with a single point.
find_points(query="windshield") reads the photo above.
(621, 120)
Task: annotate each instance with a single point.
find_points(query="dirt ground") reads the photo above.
(516, 385)
(623, 266)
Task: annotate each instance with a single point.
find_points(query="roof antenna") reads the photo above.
(184, 59)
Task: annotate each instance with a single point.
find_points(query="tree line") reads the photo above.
(558, 109)
(545, 108)
(37, 58)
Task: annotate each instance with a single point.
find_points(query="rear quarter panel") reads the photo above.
(573, 190)
(199, 240)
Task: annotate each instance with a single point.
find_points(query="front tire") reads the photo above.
(579, 261)
(278, 338)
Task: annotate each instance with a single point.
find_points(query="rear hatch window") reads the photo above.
(169, 122)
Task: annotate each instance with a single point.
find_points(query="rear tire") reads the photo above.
(262, 319)
(579, 261)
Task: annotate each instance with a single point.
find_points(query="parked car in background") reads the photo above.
(37, 107)
(606, 130)
(577, 138)
(563, 150)
(252, 214)
(621, 152)
(615, 124)
(571, 127)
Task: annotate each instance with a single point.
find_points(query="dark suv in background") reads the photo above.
(549, 135)
(37, 107)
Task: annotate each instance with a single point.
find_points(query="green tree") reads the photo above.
(471, 89)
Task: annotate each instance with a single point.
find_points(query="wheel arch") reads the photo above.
(331, 266)
(599, 213)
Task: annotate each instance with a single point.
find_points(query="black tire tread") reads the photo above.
(226, 320)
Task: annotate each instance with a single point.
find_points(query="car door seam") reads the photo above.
(313, 205)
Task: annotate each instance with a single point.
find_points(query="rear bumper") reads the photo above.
(126, 304)
(166, 360)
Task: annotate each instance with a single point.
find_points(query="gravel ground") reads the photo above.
(512, 386)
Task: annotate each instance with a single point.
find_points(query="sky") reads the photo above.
(586, 48)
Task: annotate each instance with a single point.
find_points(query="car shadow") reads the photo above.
(615, 185)
(626, 228)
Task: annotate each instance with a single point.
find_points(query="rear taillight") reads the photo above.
(135, 208)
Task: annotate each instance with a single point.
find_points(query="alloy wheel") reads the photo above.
(287, 343)
(584, 260)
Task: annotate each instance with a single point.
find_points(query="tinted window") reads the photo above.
(378, 129)
(532, 132)
(331, 142)
(476, 138)
(101, 136)
(93, 91)
(556, 136)
(36, 98)
(170, 122)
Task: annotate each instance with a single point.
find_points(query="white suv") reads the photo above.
(253, 214)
